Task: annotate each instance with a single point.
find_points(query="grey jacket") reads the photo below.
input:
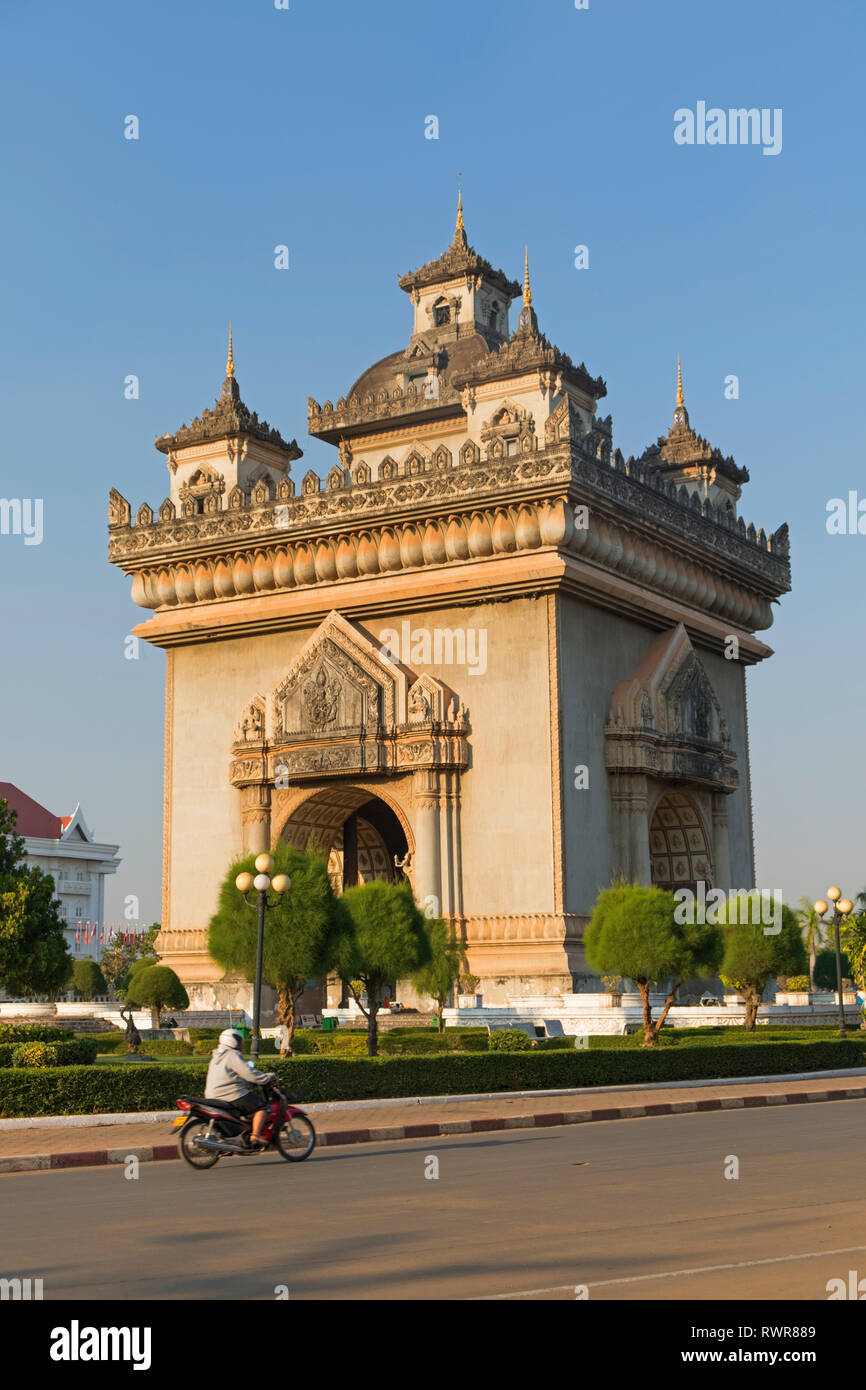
(229, 1076)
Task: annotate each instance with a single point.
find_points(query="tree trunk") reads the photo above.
(439, 1019)
(154, 1017)
(812, 963)
(753, 999)
(667, 1008)
(649, 1032)
(286, 997)
(372, 1020)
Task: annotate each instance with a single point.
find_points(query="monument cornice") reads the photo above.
(501, 579)
(715, 537)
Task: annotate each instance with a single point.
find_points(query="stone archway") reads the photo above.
(362, 835)
(680, 854)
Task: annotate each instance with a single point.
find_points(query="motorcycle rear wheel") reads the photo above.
(196, 1157)
(296, 1138)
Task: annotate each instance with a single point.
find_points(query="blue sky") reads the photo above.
(305, 127)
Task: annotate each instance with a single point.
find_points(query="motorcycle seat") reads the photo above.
(226, 1105)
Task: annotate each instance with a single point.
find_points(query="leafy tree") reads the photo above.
(634, 932)
(386, 940)
(33, 954)
(752, 955)
(119, 958)
(814, 933)
(88, 979)
(302, 929)
(825, 969)
(852, 938)
(437, 977)
(156, 987)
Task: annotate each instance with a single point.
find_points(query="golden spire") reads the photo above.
(230, 364)
(460, 226)
(679, 382)
(527, 292)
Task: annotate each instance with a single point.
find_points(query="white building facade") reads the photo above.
(65, 848)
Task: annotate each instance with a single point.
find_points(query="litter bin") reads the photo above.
(329, 1024)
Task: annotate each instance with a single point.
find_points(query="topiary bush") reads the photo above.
(508, 1040)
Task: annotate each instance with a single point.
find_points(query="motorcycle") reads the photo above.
(213, 1129)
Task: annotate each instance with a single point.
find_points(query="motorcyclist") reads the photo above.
(229, 1078)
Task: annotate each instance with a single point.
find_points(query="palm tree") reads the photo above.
(813, 929)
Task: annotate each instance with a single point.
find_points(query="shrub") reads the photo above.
(31, 1032)
(72, 1052)
(554, 1044)
(508, 1040)
(794, 982)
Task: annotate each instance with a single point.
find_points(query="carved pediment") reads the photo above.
(340, 681)
(667, 720)
(344, 709)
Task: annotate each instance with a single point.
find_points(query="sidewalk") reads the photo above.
(84, 1146)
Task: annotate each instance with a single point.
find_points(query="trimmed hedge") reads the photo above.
(69, 1053)
(509, 1040)
(31, 1032)
(92, 1090)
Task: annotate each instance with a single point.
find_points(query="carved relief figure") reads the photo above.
(321, 697)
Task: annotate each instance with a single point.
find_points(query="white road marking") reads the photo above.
(672, 1274)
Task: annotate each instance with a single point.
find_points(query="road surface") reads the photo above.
(636, 1209)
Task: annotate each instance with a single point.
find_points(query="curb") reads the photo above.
(27, 1163)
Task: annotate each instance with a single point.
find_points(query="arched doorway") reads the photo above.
(679, 849)
(361, 834)
(363, 838)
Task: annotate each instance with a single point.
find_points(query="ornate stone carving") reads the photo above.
(666, 720)
(251, 726)
(321, 697)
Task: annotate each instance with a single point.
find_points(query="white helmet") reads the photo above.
(230, 1037)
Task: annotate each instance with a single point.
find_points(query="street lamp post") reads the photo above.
(260, 883)
(841, 908)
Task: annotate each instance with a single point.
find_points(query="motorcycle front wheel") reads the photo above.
(296, 1138)
(196, 1157)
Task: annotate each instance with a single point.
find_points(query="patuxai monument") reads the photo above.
(487, 652)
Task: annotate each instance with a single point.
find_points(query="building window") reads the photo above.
(441, 313)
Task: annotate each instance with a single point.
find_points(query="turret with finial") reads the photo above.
(230, 386)
(681, 415)
(528, 322)
(460, 238)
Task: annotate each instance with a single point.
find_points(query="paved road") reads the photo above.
(634, 1209)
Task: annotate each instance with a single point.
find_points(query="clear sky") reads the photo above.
(306, 127)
